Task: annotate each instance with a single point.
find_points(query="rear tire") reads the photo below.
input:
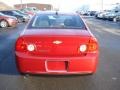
(3, 24)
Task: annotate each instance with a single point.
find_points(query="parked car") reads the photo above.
(99, 15)
(96, 14)
(19, 17)
(27, 12)
(30, 11)
(102, 15)
(19, 11)
(84, 13)
(26, 17)
(111, 16)
(92, 13)
(118, 16)
(7, 21)
(56, 43)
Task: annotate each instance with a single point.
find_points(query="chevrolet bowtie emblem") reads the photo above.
(57, 42)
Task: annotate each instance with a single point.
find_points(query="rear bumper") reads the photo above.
(76, 65)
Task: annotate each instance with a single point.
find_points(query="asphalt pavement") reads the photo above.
(107, 76)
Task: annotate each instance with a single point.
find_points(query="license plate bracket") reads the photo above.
(56, 66)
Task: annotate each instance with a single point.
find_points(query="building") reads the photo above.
(37, 5)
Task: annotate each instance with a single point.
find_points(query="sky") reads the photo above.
(68, 5)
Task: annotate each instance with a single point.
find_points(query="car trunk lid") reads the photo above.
(56, 43)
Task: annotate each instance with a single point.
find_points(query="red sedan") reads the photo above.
(56, 43)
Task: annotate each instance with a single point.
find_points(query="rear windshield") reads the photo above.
(45, 21)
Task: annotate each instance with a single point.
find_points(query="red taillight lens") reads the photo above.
(92, 45)
(21, 45)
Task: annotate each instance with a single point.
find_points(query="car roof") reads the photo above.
(58, 12)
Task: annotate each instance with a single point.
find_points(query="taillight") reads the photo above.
(21, 45)
(92, 45)
(31, 47)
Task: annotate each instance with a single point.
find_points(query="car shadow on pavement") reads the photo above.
(59, 75)
(8, 65)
